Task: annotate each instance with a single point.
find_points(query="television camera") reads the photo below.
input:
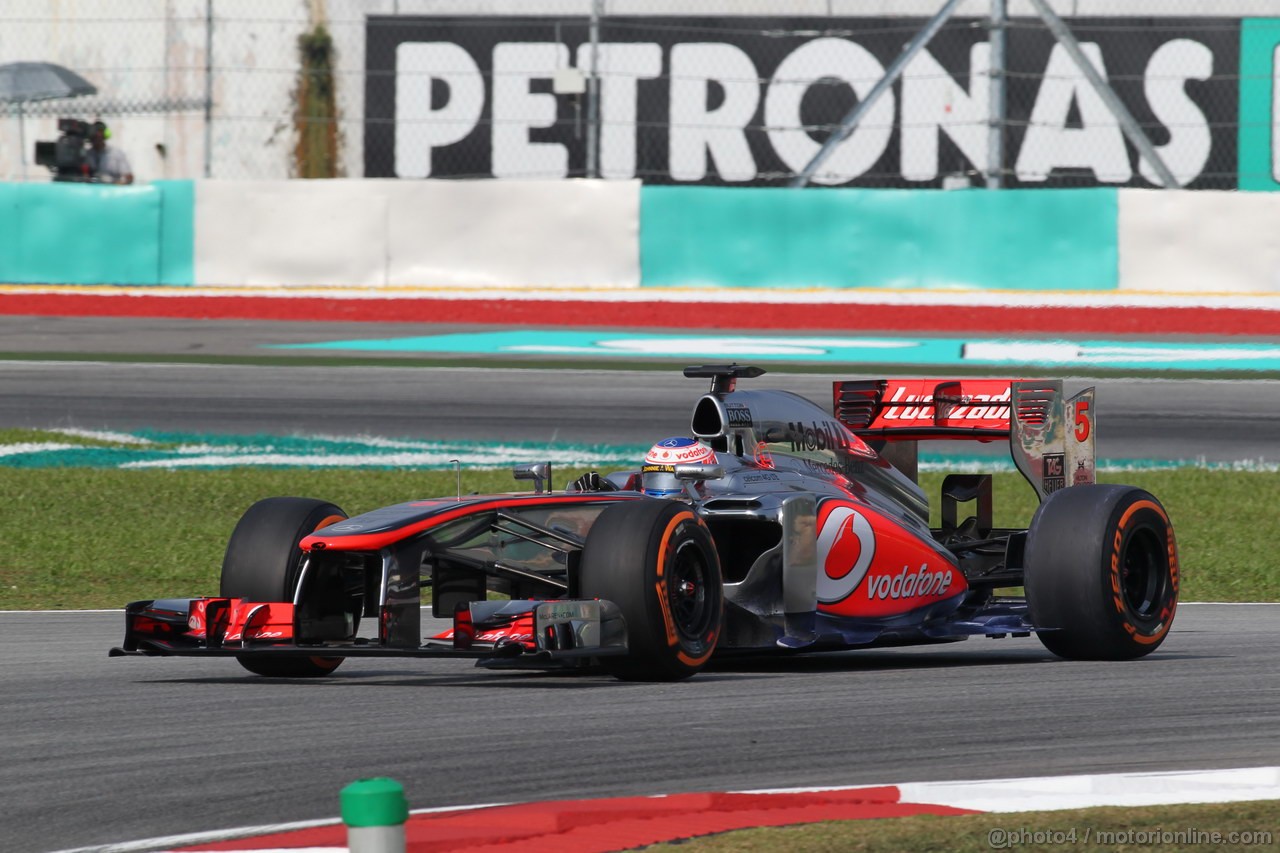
(66, 157)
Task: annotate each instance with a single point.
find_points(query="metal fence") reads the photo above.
(721, 92)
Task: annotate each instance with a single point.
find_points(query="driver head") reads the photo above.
(658, 473)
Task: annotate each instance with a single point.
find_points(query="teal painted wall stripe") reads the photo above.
(68, 233)
(177, 232)
(1047, 239)
(1256, 142)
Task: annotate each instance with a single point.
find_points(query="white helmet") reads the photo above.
(658, 474)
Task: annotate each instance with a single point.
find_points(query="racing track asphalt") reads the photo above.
(1148, 418)
(1159, 419)
(101, 751)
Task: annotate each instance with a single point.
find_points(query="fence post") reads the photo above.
(996, 96)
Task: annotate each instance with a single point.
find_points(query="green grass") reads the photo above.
(1223, 521)
(74, 538)
(984, 833)
(44, 436)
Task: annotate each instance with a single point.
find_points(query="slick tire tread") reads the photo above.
(262, 563)
(657, 561)
(1101, 572)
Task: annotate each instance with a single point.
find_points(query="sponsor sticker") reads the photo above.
(910, 584)
(846, 546)
(920, 407)
(566, 611)
(1055, 472)
(739, 415)
(673, 451)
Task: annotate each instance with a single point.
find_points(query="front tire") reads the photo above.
(656, 560)
(1101, 572)
(262, 564)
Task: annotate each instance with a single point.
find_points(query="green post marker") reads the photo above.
(374, 811)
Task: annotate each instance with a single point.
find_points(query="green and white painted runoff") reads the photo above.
(913, 351)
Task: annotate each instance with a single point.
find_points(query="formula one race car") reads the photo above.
(791, 530)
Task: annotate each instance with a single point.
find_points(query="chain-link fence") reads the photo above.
(720, 92)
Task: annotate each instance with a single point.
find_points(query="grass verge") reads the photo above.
(73, 538)
(1158, 829)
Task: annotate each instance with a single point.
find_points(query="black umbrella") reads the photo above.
(23, 82)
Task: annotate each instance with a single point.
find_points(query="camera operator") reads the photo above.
(107, 164)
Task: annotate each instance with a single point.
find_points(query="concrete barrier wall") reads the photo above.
(1022, 239)
(375, 233)
(380, 233)
(92, 234)
(1213, 241)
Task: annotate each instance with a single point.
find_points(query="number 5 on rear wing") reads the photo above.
(1051, 439)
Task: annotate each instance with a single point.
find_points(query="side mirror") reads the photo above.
(696, 473)
(539, 472)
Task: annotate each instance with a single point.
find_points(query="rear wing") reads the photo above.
(1051, 439)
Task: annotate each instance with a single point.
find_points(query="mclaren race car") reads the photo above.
(802, 530)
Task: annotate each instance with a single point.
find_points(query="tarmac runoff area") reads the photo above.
(599, 826)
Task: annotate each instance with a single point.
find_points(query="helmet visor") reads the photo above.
(659, 481)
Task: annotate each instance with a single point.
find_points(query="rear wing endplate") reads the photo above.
(1051, 439)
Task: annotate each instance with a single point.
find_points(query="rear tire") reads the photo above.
(1101, 572)
(262, 563)
(656, 560)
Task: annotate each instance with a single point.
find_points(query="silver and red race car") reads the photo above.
(805, 531)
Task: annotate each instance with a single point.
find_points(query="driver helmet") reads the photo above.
(658, 473)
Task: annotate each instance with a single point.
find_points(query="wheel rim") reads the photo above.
(1142, 573)
(688, 594)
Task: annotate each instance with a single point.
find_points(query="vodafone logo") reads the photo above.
(673, 451)
(909, 584)
(846, 546)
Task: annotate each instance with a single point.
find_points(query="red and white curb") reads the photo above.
(621, 823)
(1062, 312)
(734, 295)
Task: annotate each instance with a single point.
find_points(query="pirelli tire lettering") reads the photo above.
(1144, 607)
